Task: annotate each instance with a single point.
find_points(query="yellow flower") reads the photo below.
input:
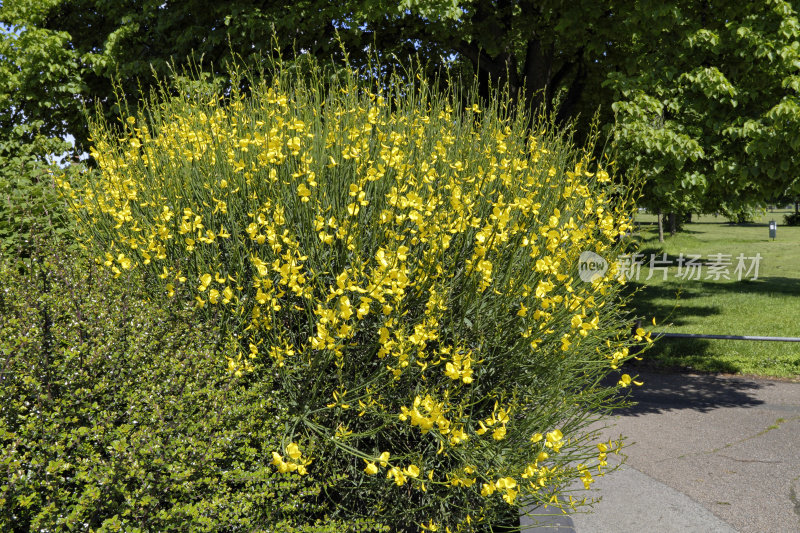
(363, 308)
(261, 297)
(304, 192)
(371, 468)
(625, 380)
(543, 288)
(554, 436)
(294, 451)
(510, 496)
(431, 526)
(541, 457)
(124, 262)
(499, 433)
(294, 145)
(227, 295)
(587, 479)
(213, 296)
(506, 483)
(565, 343)
(345, 309)
(399, 478)
(261, 266)
(384, 459)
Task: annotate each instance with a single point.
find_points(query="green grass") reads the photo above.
(768, 306)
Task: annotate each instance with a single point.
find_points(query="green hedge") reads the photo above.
(29, 202)
(115, 415)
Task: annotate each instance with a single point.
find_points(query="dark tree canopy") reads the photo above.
(703, 96)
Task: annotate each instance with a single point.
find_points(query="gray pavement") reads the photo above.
(704, 454)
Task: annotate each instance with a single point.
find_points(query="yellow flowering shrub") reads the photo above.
(403, 259)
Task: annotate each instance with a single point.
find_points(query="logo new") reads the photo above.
(591, 266)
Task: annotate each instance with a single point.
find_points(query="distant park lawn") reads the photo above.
(767, 306)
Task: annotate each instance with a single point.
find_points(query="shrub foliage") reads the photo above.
(400, 260)
(115, 415)
(29, 206)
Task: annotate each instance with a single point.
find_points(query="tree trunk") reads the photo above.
(660, 226)
(673, 224)
(797, 207)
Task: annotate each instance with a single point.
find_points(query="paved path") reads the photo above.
(705, 454)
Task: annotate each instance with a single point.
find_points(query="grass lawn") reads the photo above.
(768, 305)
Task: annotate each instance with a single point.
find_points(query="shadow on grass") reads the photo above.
(724, 223)
(664, 259)
(668, 303)
(654, 226)
(671, 303)
(703, 393)
(645, 296)
(682, 355)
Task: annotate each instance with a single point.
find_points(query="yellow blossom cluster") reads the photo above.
(295, 463)
(414, 257)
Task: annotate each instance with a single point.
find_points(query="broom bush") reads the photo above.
(401, 259)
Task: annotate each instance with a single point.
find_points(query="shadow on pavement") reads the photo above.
(703, 393)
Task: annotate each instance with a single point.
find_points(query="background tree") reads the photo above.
(546, 50)
(703, 96)
(36, 73)
(64, 54)
(708, 103)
